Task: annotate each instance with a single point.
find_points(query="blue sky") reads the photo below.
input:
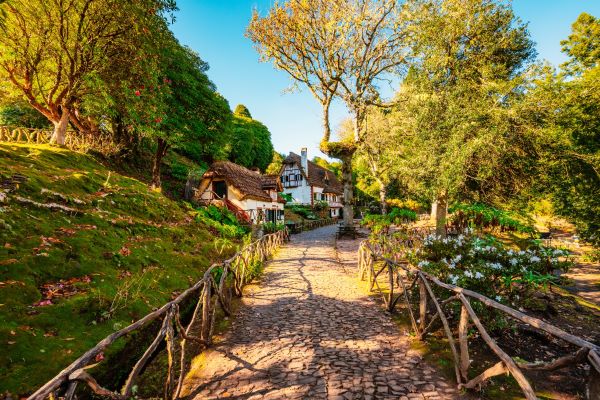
(215, 29)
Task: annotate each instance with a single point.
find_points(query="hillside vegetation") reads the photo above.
(84, 251)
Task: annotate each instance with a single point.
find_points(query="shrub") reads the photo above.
(482, 216)
(402, 215)
(381, 223)
(486, 266)
(304, 211)
(222, 220)
(271, 227)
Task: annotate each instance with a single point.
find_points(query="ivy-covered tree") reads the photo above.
(251, 144)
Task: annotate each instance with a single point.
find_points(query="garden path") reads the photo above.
(308, 330)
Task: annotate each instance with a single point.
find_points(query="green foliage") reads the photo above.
(482, 216)
(242, 111)
(222, 220)
(381, 223)
(276, 163)
(20, 114)
(251, 144)
(320, 205)
(272, 227)
(401, 215)
(454, 119)
(566, 110)
(302, 210)
(287, 197)
(333, 166)
(583, 44)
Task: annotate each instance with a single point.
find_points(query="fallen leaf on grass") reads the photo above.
(9, 261)
(43, 303)
(67, 231)
(7, 245)
(125, 251)
(85, 227)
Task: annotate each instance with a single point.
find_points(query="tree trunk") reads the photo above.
(60, 128)
(382, 196)
(348, 190)
(441, 213)
(161, 151)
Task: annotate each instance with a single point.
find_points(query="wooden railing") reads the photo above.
(403, 279)
(219, 284)
(310, 225)
(75, 141)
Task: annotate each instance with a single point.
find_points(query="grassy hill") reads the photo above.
(84, 251)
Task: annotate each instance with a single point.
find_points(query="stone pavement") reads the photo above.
(308, 331)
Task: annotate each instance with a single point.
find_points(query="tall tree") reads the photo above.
(52, 51)
(456, 100)
(337, 49)
(566, 107)
(381, 151)
(583, 45)
(251, 144)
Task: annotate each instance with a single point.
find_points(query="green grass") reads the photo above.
(128, 250)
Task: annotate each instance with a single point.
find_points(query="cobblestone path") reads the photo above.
(308, 331)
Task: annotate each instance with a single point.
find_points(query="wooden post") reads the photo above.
(170, 339)
(422, 308)
(390, 301)
(446, 327)
(206, 312)
(508, 361)
(463, 343)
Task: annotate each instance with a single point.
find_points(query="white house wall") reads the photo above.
(301, 193)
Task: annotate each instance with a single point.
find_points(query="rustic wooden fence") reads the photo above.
(219, 284)
(403, 278)
(75, 141)
(310, 225)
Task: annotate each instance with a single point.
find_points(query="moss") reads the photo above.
(136, 246)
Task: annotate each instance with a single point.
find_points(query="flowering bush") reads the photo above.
(486, 266)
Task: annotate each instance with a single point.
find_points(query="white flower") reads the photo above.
(423, 263)
(534, 259)
(496, 266)
(510, 252)
(453, 279)
(457, 258)
(468, 274)
(478, 275)
(513, 261)
(498, 298)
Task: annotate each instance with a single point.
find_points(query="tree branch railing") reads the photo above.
(402, 278)
(75, 141)
(311, 224)
(219, 284)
